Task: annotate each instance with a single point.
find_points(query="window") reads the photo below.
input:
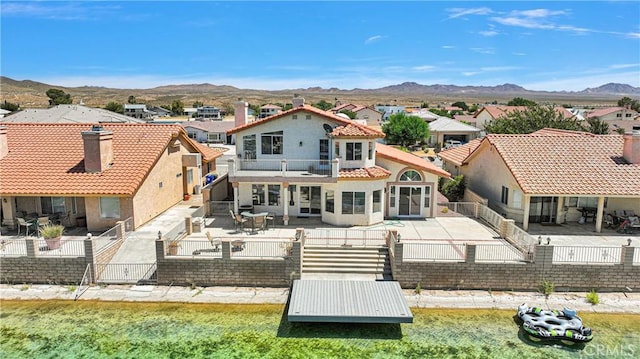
(257, 192)
(192, 135)
(504, 198)
(274, 194)
(377, 201)
(588, 202)
(294, 117)
(411, 176)
(571, 202)
(109, 207)
(427, 196)
(618, 115)
(353, 202)
(371, 149)
(74, 205)
(292, 192)
(272, 143)
(337, 149)
(324, 151)
(308, 117)
(51, 205)
(392, 197)
(517, 199)
(249, 147)
(329, 201)
(628, 115)
(354, 151)
(189, 176)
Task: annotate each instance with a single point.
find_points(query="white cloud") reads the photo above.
(59, 11)
(447, 47)
(522, 22)
(537, 13)
(488, 33)
(483, 50)
(373, 39)
(460, 12)
(519, 53)
(423, 68)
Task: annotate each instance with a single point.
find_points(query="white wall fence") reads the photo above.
(337, 237)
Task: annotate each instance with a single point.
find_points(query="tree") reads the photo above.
(287, 106)
(597, 126)
(114, 107)
(453, 189)
(424, 105)
(132, 100)
(532, 119)
(323, 105)
(177, 107)
(629, 103)
(9, 106)
(461, 104)
(519, 101)
(349, 113)
(197, 104)
(441, 112)
(473, 108)
(58, 97)
(405, 130)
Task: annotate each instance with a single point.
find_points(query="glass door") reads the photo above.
(409, 201)
(310, 201)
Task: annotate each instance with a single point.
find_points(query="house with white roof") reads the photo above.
(307, 162)
(388, 110)
(445, 129)
(137, 111)
(552, 176)
(68, 114)
(208, 131)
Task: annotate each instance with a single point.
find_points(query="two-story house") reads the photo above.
(137, 111)
(269, 110)
(366, 114)
(309, 162)
(208, 113)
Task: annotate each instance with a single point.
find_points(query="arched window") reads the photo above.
(411, 176)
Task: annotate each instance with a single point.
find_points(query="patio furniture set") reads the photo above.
(258, 221)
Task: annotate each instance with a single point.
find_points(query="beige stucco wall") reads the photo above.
(373, 117)
(337, 218)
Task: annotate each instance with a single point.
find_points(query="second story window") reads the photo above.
(354, 151)
(272, 143)
(249, 147)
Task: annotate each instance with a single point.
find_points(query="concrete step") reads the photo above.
(328, 260)
(346, 270)
(367, 264)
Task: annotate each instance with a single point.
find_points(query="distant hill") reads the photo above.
(29, 93)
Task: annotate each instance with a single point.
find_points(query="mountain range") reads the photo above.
(32, 93)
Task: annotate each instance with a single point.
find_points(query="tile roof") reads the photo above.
(551, 162)
(306, 108)
(48, 159)
(497, 111)
(605, 111)
(210, 125)
(209, 154)
(363, 173)
(354, 129)
(458, 155)
(409, 159)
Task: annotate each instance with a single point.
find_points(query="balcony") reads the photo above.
(311, 170)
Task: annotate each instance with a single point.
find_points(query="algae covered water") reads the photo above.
(87, 329)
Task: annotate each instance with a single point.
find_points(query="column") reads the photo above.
(560, 213)
(525, 218)
(599, 213)
(236, 198)
(285, 203)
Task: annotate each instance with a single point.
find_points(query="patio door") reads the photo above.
(409, 201)
(543, 209)
(310, 200)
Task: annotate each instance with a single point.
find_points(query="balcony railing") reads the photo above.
(285, 168)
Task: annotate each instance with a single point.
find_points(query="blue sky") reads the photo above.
(541, 45)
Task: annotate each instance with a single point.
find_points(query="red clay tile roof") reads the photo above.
(209, 153)
(352, 130)
(409, 160)
(459, 154)
(314, 110)
(580, 163)
(48, 159)
(497, 111)
(363, 173)
(605, 111)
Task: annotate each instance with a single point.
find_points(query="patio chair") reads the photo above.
(43, 221)
(214, 242)
(271, 218)
(260, 223)
(238, 221)
(608, 220)
(26, 224)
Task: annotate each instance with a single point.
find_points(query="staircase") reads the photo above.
(319, 261)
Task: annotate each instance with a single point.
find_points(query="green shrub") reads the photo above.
(593, 297)
(418, 288)
(547, 288)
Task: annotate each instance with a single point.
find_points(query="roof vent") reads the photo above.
(96, 128)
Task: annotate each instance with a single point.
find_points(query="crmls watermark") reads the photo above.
(611, 351)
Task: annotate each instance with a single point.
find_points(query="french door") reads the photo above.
(310, 200)
(409, 201)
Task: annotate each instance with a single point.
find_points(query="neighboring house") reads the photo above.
(365, 114)
(309, 162)
(551, 176)
(4, 112)
(466, 119)
(490, 113)
(613, 114)
(425, 114)
(160, 111)
(208, 131)
(269, 110)
(388, 110)
(68, 114)
(208, 113)
(445, 129)
(101, 173)
(190, 111)
(137, 111)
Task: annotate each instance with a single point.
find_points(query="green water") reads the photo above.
(66, 329)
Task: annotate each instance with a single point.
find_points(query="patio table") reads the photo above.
(253, 217)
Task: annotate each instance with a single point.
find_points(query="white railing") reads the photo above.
(260, 165)
(586, 255)
(109, 237)
(636, 256)
(124, 272)
(435, 252)
(194, 248)
(262, 249)
(316, 167)
(220, 207)
(345, 237)
(246, 248)
(67, 248)
(465, 208)
(13, 247)
(490, 216)
(498, 253)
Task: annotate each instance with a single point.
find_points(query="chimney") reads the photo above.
(298, 101)
(98, 149)
(631, 146)
(4, 146)
(241, 112)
